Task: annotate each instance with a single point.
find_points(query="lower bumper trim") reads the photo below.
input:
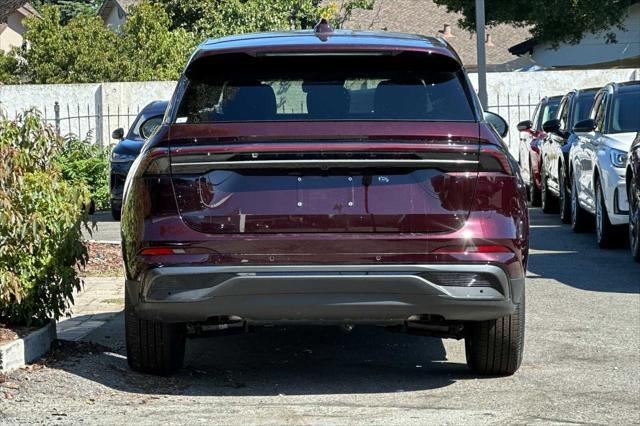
(322, 292)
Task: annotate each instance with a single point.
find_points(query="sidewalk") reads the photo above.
(101, 299)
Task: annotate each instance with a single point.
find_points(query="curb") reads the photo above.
(18, 353)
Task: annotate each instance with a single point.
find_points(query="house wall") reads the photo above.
(115, 18)
(593, 49)
(101, 108)
(12, 35)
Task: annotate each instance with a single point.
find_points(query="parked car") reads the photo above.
(326, 177)
(554, 151)
(531, 136)
(633, 191)
(598, 160)
(127, 150)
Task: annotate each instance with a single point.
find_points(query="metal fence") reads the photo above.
(85, 121)
(514, 109)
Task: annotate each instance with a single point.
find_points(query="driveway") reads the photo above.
(581, 365)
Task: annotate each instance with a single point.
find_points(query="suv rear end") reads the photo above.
(331, 178)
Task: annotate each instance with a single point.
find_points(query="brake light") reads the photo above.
(493, 159)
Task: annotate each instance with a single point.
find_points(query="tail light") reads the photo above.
(494, 159)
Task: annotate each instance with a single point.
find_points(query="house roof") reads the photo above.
(8, 7)
(427, 18)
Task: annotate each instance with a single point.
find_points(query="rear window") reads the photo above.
(624, 113)
(326, 88)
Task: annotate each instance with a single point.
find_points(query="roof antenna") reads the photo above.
(323, 30)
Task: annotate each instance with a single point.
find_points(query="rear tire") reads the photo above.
(152, 347)
(634, 220)
(581, 220)
(605, 231)
(549, 201)
(565, 197)
(495, 347)
(534, 192)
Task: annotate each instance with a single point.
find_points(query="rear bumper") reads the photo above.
(325, 292)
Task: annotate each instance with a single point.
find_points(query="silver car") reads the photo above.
(597, 162)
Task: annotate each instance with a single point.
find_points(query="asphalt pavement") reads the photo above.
(581, 364)
(104, 228)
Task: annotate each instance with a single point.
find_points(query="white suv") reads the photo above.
(597, 162)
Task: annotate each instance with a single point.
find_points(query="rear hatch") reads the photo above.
(288, 149)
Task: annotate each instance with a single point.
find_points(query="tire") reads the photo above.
(495, 347)
(549, 201)
(634, 220)
(565, 197)
(581, 220)
(116, 214)
(152, 347)
(605, 232)
(534, 192)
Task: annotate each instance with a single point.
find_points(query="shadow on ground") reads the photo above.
(576, 260)
(300, 360)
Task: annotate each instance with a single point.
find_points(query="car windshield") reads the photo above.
(583, 107)
(305, 89)
(625, 115)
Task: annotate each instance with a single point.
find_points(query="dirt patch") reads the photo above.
(7, 333)
(105, 260)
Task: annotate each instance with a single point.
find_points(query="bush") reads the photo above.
(41, 216)
(85, 163)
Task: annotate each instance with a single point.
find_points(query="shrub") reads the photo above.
(83, 162)
(41, 216)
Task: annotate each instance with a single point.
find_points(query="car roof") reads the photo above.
(309, 40)
(155, 106)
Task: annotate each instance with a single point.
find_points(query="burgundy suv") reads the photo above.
(325, 177)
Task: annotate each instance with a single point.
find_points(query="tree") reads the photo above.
(8, 68)
(218, 18)
(152, 50)
(82, 51)
(551, 21)
(85, 51)
(69, 8)
(155, 41)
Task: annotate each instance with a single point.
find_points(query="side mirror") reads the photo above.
(525, 125)
(585, 126)
(118, 134)
(498, 123)
(150, 125)
(551, 126)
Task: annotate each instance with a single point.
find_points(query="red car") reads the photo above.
(531, 138)
(325, 177)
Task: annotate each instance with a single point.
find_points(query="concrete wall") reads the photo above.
(514, 95)
(86, 108)
(104, 107)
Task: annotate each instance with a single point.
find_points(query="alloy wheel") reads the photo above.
(599, 214)
(574, 202)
